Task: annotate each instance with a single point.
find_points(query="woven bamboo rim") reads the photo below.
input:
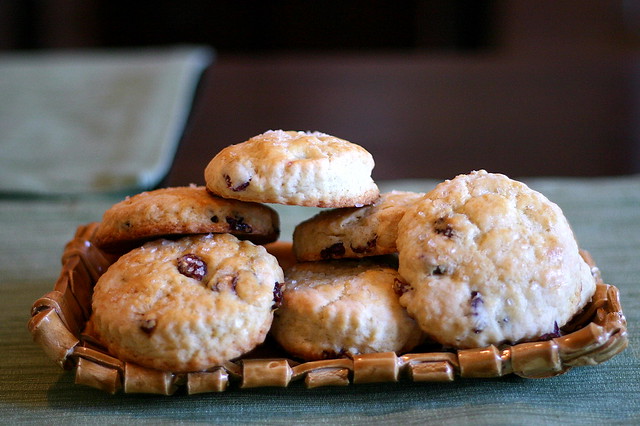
(59, 317)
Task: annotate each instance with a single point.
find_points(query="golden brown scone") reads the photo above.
(188, 304)
(179, 211)
(296, 168)
(489, 260)
(342, 307)
(353, 232)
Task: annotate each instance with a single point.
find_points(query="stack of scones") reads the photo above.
(479, 260)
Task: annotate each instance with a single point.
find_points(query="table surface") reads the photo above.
(605, 216)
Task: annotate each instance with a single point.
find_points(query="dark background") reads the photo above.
(431, 88)
(241, 26)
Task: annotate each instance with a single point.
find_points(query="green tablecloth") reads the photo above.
(604, 213)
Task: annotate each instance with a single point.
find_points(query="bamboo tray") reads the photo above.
(59, 317)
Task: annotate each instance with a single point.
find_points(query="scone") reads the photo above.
(342, 307)
(296, 168)
(188, 304)
(179, 211)
(489, 260)
(353, 232)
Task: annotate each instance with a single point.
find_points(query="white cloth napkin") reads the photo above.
(94, 121)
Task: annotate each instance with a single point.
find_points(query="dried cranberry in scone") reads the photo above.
(192, 266)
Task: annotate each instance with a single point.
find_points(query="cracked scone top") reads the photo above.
(489, 260)
(295, 168)
(189, 304)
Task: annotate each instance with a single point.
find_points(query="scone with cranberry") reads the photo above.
(180, 211)
(488, 261)
(343, 308)
(189, 304)
(295, 168)
(353, 232)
